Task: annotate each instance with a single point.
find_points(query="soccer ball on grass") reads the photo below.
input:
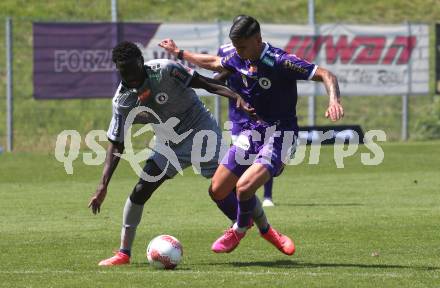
(164, 252)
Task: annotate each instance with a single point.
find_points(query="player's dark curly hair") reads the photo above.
(238, 17)
(244, 26)
(125, 51)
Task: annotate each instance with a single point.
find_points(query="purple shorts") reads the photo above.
(257, 143)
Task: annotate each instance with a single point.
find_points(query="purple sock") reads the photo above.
(228, 205)
(245, 211)
(268, 189)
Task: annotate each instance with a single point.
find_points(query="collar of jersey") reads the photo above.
(125, 100)
(266, 47)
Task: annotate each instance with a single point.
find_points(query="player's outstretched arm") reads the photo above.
(335, 111)
(219, 88)
(222, 76)
(111, 162)
(206, 61)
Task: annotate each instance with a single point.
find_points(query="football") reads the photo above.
(164, 252)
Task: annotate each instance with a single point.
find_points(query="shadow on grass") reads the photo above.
(145, 265)
(320, 204)
(296, 264)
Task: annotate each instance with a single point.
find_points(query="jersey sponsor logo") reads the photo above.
(268, 61)
(161, 98)
(264, 83)
(180, 74)
(154, 74)
(155, 67)
(292, 66)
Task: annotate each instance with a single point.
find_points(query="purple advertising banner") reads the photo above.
(73, 60)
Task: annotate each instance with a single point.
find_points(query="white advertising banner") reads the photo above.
(367, 59)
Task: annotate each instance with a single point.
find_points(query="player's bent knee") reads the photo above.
(141, 193)
(215, 189)
(217, 194)
(143, 189)
(152, 169)
(211, 194)
(244, 189)
(215, 185)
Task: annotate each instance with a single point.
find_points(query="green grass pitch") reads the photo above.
(338, 218)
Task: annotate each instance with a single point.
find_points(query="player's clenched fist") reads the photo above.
(169, 45)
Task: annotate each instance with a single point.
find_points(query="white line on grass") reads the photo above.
(227, 272)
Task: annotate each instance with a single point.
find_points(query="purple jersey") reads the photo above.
(233, 82)
(269, 85)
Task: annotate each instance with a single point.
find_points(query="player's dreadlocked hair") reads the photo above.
(125, 51)
(244, 26)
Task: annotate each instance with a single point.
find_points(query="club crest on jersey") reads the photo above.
(264, 83)
(161, 98)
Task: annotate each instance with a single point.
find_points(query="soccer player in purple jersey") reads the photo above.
(269, 76)
(237, 116)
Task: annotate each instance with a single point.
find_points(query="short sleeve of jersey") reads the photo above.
(181, 74)
(227, 61)
(297, 68)
(220, 54)
(115, 130)
(223, 51)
